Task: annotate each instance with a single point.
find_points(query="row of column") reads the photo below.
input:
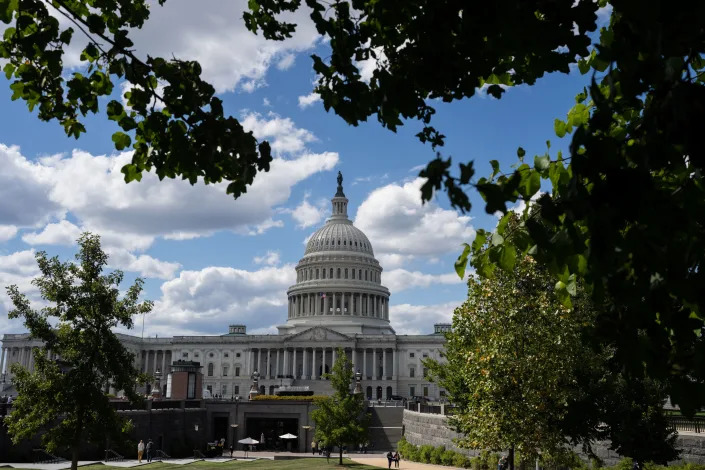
(283, 362)
(339, 303)
(148, 360)
(22, 355)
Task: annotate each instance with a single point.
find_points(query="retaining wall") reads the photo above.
(432, 429)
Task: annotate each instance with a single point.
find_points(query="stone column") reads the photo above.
(325, 304)
(305, 366)
(374, 364)
(2, 360)
(369, 305)
(315, 370)
(352, 358)
(276, 371)
(384, 363)
(333, 357)
(335, 304)
(394, 364)
(164, 362)
(323, 362)
(296, 369)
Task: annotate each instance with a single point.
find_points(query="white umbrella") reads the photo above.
(287, 436)
(247, 441)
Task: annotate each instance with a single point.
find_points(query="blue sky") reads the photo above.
(210, 261)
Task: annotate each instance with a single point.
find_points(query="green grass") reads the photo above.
(294, 464)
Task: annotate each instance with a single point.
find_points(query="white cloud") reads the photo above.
(397, 223)
(393, 260)
(271, 258)
(145, 265)
(61, 233)
(306, 214)
(286, 62)
(308, 100)
(400, 279)
(216, 36)
(282, 134)
(206, 301)
(266, 103)
(410, 319)
(7, 232)
(18, 268)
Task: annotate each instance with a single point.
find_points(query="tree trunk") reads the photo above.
(74, 457)
(340, 459)
(511, 458)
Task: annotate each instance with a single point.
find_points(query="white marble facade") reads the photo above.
(338, 301)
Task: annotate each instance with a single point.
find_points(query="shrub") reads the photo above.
(436, 454)
(460, 461)
(425, 453)
(447, 457)
(413, 453)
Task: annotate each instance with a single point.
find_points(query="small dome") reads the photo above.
(339, 235)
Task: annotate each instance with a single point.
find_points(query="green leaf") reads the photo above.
(497, 239)
(542, 162)
(462, 261)
(507, 257)
(121, 140)
(560, 128)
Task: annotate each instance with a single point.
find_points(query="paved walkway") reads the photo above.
(381, 461)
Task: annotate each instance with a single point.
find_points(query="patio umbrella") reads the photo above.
(287, 436)
(247, 441)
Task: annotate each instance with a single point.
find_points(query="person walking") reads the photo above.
(149, 448)
(140, 451)
(313, 447)
(389, 459)
(395, 457)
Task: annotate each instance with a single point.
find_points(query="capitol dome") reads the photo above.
(338, 281)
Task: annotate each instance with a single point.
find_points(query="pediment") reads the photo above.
(318, 334)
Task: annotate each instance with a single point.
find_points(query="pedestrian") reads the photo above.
(231, 450)
(396, 459)
(313, 447)
(389, 459)
(149, 448)
(140, 451)
(328, 454)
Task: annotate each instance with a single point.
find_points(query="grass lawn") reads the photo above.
(294, 464)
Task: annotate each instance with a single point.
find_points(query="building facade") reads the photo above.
(338, 301)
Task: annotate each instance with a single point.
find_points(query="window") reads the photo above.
(359, 274)
(425, 354)
(412, 372)
(225, 371)
(442, 393)
(365, 275)
(191, 386)
(412, 390)
(184, 354)
(338, 273)
(224, 390)
(226, 355)
(236, 389)
(210, 369)
(195, 354)
(237, 372)
(324, 273)
(316, 273)
(331, 273)
(237, 354)
(411, 354)
(425, 372)
(210, 389)
(346, 273)
(210, 355)
(425, 391)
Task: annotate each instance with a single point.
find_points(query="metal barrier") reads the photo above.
(42, 456)
(112, 456)
(681, 423)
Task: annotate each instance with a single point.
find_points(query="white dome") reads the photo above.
(339, 235)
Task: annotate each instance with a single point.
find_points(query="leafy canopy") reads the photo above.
(65, 399)
(174, 123)
(623, 212)
(341, 419)
(522, 378)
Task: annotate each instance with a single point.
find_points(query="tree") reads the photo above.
(65, 398)
(522, 377)
(341, 419)
(623, 214)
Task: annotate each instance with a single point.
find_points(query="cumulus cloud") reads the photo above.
(281, 133)
(308, 100)
(209, 37)
(306, 214)
(18, 268)
(410, 319)
(400, 279)
(397, 223)
(207, 300)
(271, 258)
(7, 232)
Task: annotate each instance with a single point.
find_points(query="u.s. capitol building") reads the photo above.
(338, 301)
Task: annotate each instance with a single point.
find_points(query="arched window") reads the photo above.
(345, 242)
(210, 369)
(346, 273)
(359, 274)
(369, 393)
(338, 273)
(324, 272)
(310, 273)
(331, 273)
(316, 273)
(365, 274)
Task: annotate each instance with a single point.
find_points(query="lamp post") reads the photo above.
(232, 443)
(358, 383)
(156, 390)
(306, 428)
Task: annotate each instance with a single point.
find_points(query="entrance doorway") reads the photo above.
(379, 393)
(271, 429)
(220, 428)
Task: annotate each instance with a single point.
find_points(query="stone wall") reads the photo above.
(432, 429)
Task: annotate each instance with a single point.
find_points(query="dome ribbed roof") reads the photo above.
(339, 235)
